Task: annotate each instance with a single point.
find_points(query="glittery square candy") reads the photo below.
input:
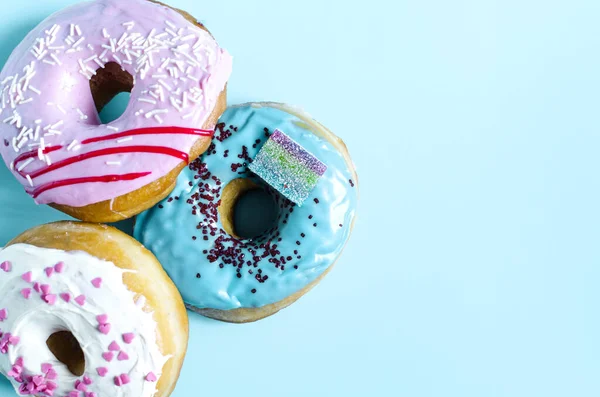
(288, 167)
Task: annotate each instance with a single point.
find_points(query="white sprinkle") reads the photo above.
(171, 24)
(127, 139)
(54, 132)
(105, 33)
(26, 101)
(82, 115)
(78, 30)
(56, 59)
(76, 148)
(116, 57)
(29, 180)
(49, 62)
(70, 51)
(72, 30)
(158, 118)
(61, 47)
(152, 101)
(156, 111)
(32, 88)
(98, 62)
(193, 78)
(188, 37)
(58, 124)
(165, 63)
(47, 158)
(110, 127)
(62, 110)
(161, 82)
(112, 45)
(90, 58)
(37, 133)
(172, 33)
(78, 42)
(42, 55)
(38, 121)
(187, 116)
(104, 53)
(113, 163)
(91, 47)
(86, 74)
(25, 164)
(72, 145)
(89, 69)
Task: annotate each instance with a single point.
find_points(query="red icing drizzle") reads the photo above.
(75, 181)
(105, 152)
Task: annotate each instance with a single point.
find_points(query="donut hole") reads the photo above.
(67, 350)
(248, 211)
(110, 88)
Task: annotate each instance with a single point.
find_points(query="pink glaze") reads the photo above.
(178, 87)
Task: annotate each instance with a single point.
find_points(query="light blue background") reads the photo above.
(473, 269)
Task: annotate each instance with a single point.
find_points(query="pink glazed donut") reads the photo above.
(71, 65)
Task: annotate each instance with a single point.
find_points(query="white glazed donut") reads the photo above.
(46, 292)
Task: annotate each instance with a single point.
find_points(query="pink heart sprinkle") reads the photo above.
(51, 374)
(79, 385)
(49, 271)
(6, 266)
(125, 379)
(13, 340)
(49, 299)
(45, 289)
(19, 361)
(151, 377)
(27, 277)
(97, 282)
(122, 356)
(66, 297)
(128, 337)
(102, 371)
(73, 394)
(118, 381)
(87, 380)
(26, 292)
(36, 287)
(91, 394)
(108, 356)
(59, 267)
(81, 300)
(104, 328)
(3, 315)
(102, 318)
(46, 367)
(51, 386)
(114, 347)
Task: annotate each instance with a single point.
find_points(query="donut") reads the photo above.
(193, 232)
(87, 311)
(70, 66)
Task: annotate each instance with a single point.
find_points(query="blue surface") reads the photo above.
(473, 270)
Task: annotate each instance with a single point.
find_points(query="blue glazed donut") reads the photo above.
(224, 276)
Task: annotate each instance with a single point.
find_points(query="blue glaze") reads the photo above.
(174, 234)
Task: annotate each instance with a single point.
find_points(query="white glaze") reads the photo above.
(33, 321)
